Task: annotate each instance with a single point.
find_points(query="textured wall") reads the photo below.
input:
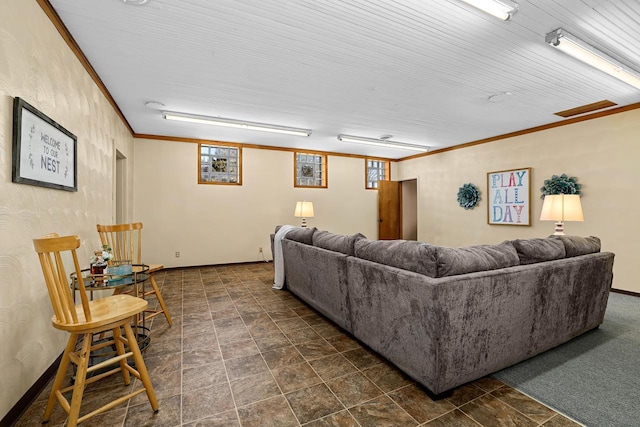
(214, 224)
(603, 153)
(37, 65)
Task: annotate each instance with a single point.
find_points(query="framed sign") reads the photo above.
(509, 197)
(44, 153)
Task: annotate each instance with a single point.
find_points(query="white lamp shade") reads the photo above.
(562, 207)
(304, 210)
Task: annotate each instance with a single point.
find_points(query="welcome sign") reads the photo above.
(509, 197)
(44, 153)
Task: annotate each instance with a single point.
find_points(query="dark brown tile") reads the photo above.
(285, 313)
(454, 418)
(362, 358)
(354, 388)
(524, 404)
(167, 385)
(205, 402)
(203, 376)
(272, 412)
(387, 377)
(254, 388)
(223, 419)
(295, 377)
(245, 366)
(560, 421)
(313, 402)
(263, 329)
(343, 342)
(232, 323)
(226, 313)
(236, 349)
(381, 412)
(302, 335)
(332, 366)
(488, 383)
(196, 317)
(272, 342)
(339, 419)
(195, 329)
(253, 318)
(33, 415)
(199, 342)
(489, 410)
(328, 331)
(464, 394)
(232, 335)
(316, 349)
(418, 404)
(289, 325)
(158, 348)
(198, 357)
(142, 415)
(281, 357)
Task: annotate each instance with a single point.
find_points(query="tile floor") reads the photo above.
(242, 354)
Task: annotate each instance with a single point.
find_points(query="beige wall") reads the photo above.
(216, 224)
(37, 65)
(604, 154)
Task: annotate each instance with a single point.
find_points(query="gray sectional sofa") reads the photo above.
(447, 316)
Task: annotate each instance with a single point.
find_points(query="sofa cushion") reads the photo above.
(336, 242)
(407, 255)
(531, 251)
(302, 235)
(455, 261)
(576, 245)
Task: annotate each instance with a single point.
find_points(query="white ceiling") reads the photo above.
(420, 70)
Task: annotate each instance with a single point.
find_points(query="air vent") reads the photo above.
(586, 108)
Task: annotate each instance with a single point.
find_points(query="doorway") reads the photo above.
(121, 187)
(398, 210)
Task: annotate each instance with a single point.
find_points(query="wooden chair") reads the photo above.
(83, 321)
(125, 240)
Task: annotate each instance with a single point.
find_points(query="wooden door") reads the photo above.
(389, 211)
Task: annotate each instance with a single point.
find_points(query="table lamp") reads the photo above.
(560, 208)
(304, 210)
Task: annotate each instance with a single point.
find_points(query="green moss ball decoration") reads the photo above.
(561, 185)
(468, 196)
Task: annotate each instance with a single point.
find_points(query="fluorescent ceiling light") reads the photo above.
(232, 123)
(502, 9)
(382, 143)
(575, 47)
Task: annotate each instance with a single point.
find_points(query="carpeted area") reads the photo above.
(595, 378)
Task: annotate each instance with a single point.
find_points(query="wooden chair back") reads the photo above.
(50, 248)
(125, 241)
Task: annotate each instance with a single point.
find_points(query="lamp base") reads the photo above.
(559, 229)
(304, 223)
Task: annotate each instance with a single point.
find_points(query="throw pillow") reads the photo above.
(531, 251)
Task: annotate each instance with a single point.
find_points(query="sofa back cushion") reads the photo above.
(531, 251)
(407, 255)
(576, 245)
(455, 261)
(302, 235)
(336, 242)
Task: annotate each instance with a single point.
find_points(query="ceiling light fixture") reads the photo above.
(232, 123)
(575, 47)
(502, 9)
(382, 143)
(154, 105)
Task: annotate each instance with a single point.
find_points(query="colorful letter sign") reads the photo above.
(508, 197)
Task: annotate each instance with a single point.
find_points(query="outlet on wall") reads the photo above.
(260, 249)
(177, 254)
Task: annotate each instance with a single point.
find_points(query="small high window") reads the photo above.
(376, 170)
(220, 165)
(310, 170)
